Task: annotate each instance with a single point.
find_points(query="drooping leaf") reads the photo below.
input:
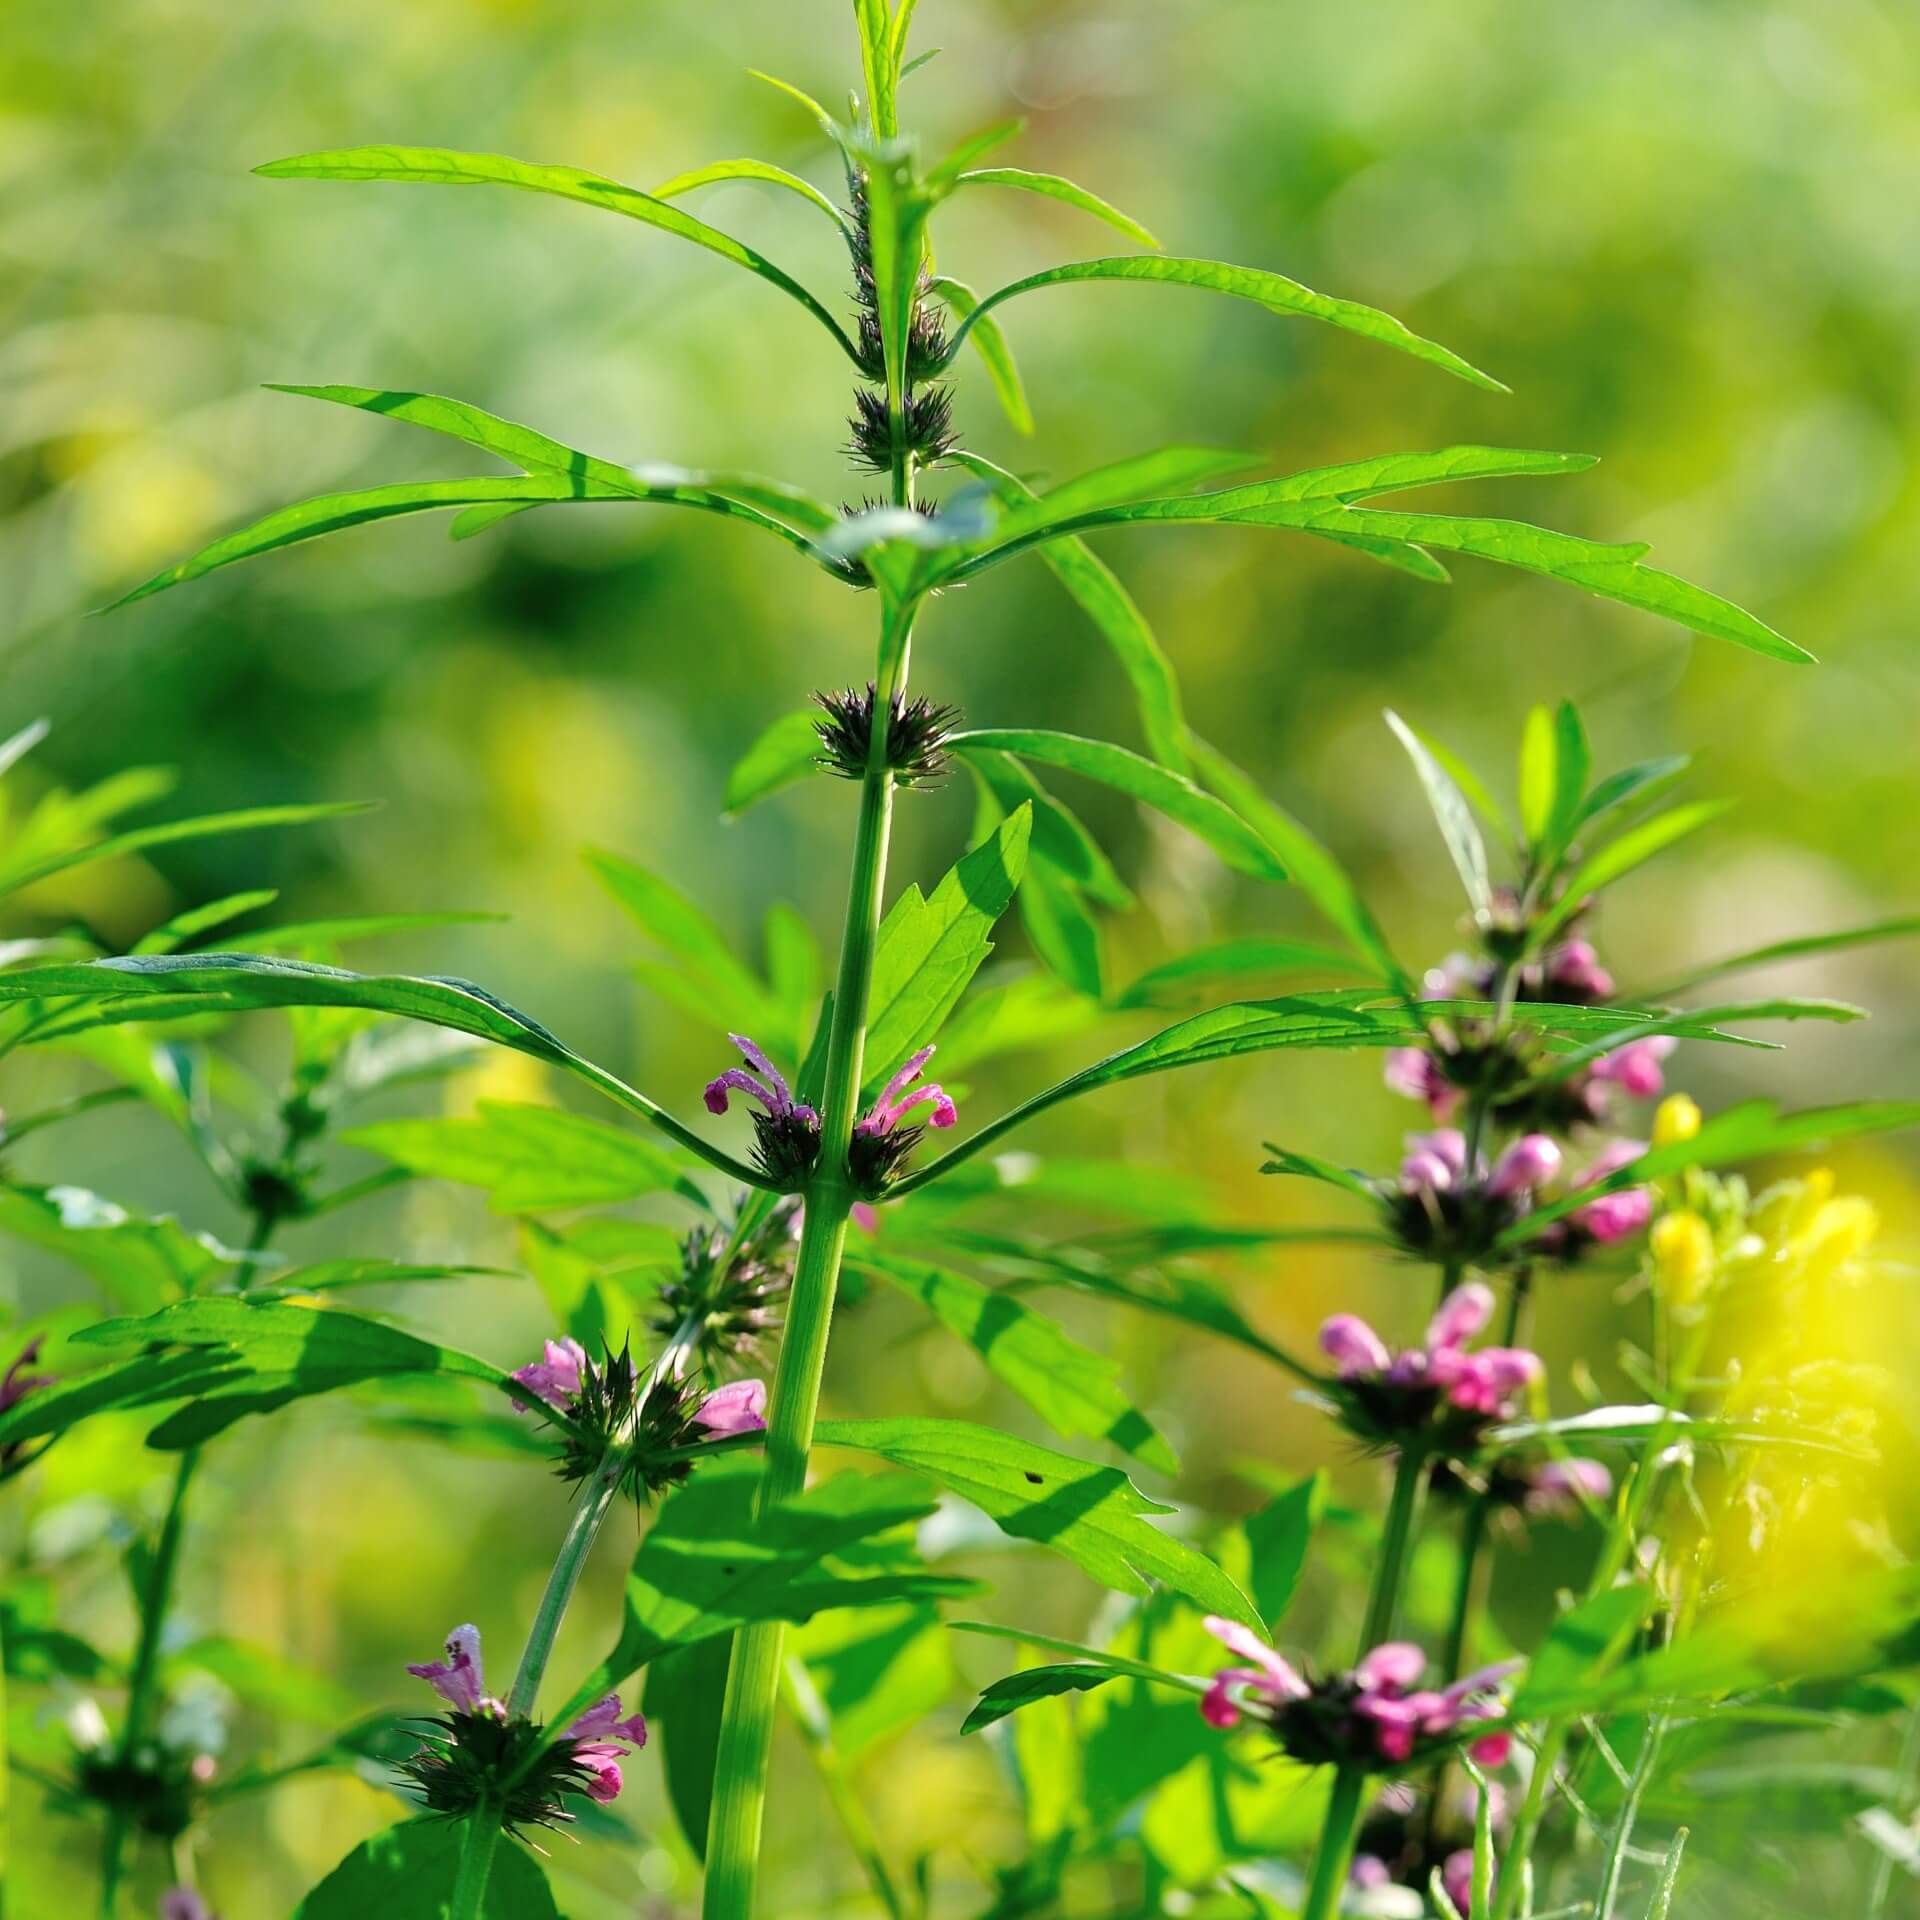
(1075, 1390)
(409, 1872)
(787, 752)
(1055, 188)
(1776, 951)
(720, 171)
(442, 166)
(1023, 1688)
(1271, 290)
(996, 355)
(1156, 786)
(530, 1159)
(930, 948)
(1058, 838)
(1140, 477)
(1094, 1516)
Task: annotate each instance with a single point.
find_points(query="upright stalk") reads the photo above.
(1334, 1855)
(753, 1680)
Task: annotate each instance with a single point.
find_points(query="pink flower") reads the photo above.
(1574, 969)
(1624, 1212)
(460, 1680)
(1391, 1667)
(766, 1084)
(896, 1101)
(739, 1408)
(1463, 1314)
(17, 1383)
(1635, 1068)
(1369, 1870)
(601, 1740)
(1414, 1071)
(1456, 1879)
(1528, 1164)
(1563, 1486)
(865, 1216)
(555, 1378)
(1403, 1719)
(182, 1903)
(1353, 1346)
(1434, 1162)
(1269, 1678)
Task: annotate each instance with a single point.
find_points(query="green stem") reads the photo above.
(1334, 1858)
(753, 1680)
(476, 1864)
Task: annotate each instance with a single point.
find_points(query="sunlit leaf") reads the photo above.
(1618, 857)
(1777, 951)
(721, 171)
(1453, 816)
(1177, 979)
(787, 752)
(1055, 188)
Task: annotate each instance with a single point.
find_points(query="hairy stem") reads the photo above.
(753, 1681)
(476, 1864)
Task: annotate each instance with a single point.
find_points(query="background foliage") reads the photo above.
(1680, 229)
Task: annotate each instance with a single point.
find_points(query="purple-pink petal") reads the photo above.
(740, 1407)
(555, 1377)
(1391, 1668)
(1462, 1314)
(1353, 1346)
(1275, 1676)
(460, 1679)
(1635, 1068)
(1526, 1166)
(1616, 1216)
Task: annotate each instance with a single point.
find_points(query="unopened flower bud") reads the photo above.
(1676, 1118)
(1682, 1244)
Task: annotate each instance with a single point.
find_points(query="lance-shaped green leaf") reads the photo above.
(1702, 1023)
(1638, 782)
(1777, 951)
(930, 948)
(530, 1159)
(345, 929)
(1452, 815)
(1273, 291)
(1313, 869)
(996, 355)
(1031, 1684)
(1097, 589)
(138, 1262)
(709, 1565)
(722, 171)
(1307, 1166)
(1554, 763)
(444, 167)
(785, 754)
(166, 984)
(1141, 779)
(1751, 1131)
(1619, 857)
(1075, 1390)
(1338, 1018)
(1205, 967)
(1094, 1516)
(23, 866)
(1059, 837)
(1057, 188)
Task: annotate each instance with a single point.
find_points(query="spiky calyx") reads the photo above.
(927, 433)
(471, 1761)
(619, 1407)
(917, 733)
(874, 1159)
(732, 1284)
(155, 1790)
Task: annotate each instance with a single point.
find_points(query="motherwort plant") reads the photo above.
(1534, 1070)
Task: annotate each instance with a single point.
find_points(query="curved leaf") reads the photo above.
(1057, 188)
(996, 356)
(1271, 290)
(762, 170)
(785, 754)
(444, 167)
(1230, 960)
(1618, 857)
(1453, 816)
(1798, 949)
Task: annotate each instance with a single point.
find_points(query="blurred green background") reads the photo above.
(1684, 231)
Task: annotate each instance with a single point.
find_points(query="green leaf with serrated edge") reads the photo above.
(1453, 816)
(1754, 1130)
(333, 512)
(1582, 1644)
(708, 1565)
(23, 870)
(1701, 1023)
(1097, 590)
(1308, 1167)
(140, 1263)
(235, 982)
(1140, 779)
(1279, 1536)
(530, 1159)
(1313, 869)
(1619, 857)
(1023, 1688)
(786, 753)
(443, 166)
(1273, 291)
(1094, 1516)
(528, 448)
(1778, 951)
(688, 932)
(1178, 978)
(410, 1873)
(1636, 782)
(1059, 837)
(928, 949)
(1075, 1390)
(1056, 188)
(1333, 1019)
(996, 355)
(722, 171)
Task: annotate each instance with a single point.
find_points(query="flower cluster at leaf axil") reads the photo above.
(915, 746)
(727, 1298)
(612, 1407)
(1442, 1208)
(159, 1784)
(786, 1131)
(481, 1755)
(1377, 1716)
(880, 1142)
(1439, 1395)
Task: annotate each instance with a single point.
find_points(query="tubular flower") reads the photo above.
(1372, 1717)
(1616, 1215)
(739, 1408)
(1440, 1208)
(880, 1143)
(1438, 1391)
(601, 1740)
(555, 1376)
(1415, 1072)
(460, 1680)
(1635, 1068)
(787, 1131)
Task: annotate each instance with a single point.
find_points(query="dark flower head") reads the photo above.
(732, 1284)
(1439, 1208)
(927, 433)
(916, 735)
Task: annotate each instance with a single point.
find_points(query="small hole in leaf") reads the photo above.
(1037, 1479)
